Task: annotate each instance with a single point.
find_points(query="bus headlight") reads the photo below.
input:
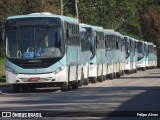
(92, 65)
(140, 62)
(59, 69)
(12, 71)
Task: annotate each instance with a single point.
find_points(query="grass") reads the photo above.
(2, 72)
(3, 84)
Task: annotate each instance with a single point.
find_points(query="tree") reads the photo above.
(150, 22)
(136, 18)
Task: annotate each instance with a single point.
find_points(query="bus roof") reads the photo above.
(112, 32)
(149, 43)
(45, 14)
(119, 34)
(109, 31)
(96, 28)
(82, 29)
(127, 36)
(154, 45)
(141, 41)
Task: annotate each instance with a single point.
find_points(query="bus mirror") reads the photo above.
(97, 39)
(3, 36)
(69, 32)
(128, 51)
(82, 36)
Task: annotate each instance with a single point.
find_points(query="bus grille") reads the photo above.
(33, 65)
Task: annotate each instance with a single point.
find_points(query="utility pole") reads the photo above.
(76, 7)
(61, 7)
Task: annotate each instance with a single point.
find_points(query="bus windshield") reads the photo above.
(33, 42)
(140, 49)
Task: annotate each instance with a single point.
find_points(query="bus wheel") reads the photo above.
(100, 78)
(122, 72)
(110, 76)
(114, 75)
(127, 72)
(93, 79)
(81, 82)
(118, 75)
(143, 69)
(106, 77)
(135, 70)
(75, 85)
(86, 81)
(64, 86)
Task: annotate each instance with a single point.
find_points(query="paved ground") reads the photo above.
(136, 92)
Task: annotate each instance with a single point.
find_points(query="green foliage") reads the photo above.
(120, 15)
(125, 16)
(2, 72)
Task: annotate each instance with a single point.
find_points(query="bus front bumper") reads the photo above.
(60, 76)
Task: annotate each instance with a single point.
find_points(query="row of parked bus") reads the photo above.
(43, 49)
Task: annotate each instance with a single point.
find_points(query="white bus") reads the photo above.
(42, 49)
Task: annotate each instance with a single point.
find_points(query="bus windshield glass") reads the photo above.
(140, 49)
(30, 42)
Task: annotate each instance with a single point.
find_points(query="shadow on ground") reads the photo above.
(89, 102)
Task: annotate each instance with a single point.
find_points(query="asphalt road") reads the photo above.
(129, 96)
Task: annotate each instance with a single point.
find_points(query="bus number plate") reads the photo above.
(34, 79)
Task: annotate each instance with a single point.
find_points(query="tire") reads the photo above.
(64, 86)
(93, 79)
(100, 78)
(75, 85)
(122, 72)
(86, 81)
(81, 82)
(107, 77)
(135, 70)
(110, 76)
(118, 75)
(114, 75)
(127, 72)
(143, 69)
(104, 77)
